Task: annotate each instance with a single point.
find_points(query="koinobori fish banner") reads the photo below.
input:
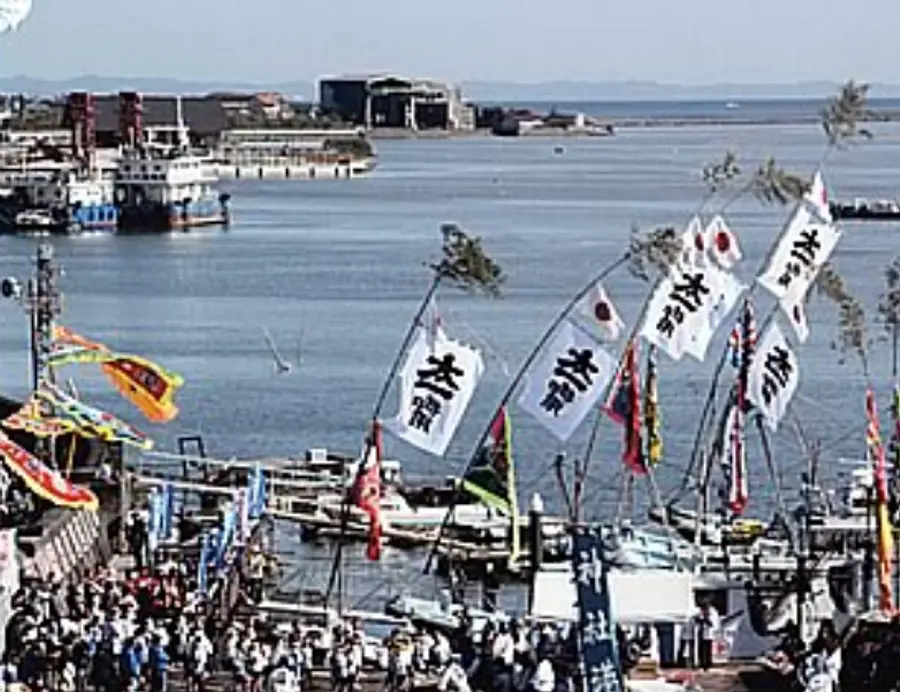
(89, 421)
(147, 385)
(567, 381)
(436, 385)
(30, 419)
(44, 481)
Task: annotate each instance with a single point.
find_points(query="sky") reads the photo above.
(268, 41)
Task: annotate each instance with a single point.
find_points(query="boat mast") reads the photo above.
(42, 303)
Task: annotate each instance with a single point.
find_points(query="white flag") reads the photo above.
(687, 308)
(773, 377)
(568, 380)
(436, 385)
(723, 243)
(794, 308)
(817, 198)
(702, 326)
(598, 313)
(804, 246)
(694, 242)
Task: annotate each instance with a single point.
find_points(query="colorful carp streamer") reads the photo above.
(71, 416)
(89, 421)
(44, 481)
(30, 419)
(148, 386)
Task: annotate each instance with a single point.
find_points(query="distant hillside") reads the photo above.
(475, 90)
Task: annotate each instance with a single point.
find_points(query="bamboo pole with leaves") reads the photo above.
(656, 247)
(770, 184)
(465, 265)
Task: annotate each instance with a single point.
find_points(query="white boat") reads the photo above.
(396, 511)
(76, 200)
(162, 184)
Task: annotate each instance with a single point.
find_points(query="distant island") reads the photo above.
(473, 90)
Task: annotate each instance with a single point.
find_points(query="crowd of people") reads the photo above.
(128, 633)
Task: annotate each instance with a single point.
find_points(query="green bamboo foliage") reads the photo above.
(842, 117)
(853, 334)
(652, 251)
(466, 264)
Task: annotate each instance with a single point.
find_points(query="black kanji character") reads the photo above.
(558, 395)
(577, 368)
(778, 363)
(806, 246)
(440, 378)
(690, 292)
(778, 368)
(425, 409)
(672, 316)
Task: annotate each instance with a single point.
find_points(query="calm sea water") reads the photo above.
(340, 265)
(791, 110)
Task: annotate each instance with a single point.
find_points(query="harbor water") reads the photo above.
(335, 268)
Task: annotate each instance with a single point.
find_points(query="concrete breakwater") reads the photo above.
(288, 169)
(628, 122)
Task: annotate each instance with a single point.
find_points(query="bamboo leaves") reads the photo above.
(772, 184)
(853, 336)
(719, 175)
(889, 303)
(466, 265)
(843, 114)
(656, 249)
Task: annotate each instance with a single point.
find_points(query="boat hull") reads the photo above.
(173, 217)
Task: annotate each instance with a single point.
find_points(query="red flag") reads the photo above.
(631, 386)
(367, 490)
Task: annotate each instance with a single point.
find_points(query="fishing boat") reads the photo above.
(398, 512)
(47, 197)
(161, 184)
(867, 210)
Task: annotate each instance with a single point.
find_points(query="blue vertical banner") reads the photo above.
(168, 511)
(203, 565)
(596, 626)
(257, 493)
(154, 521)
(226, 535)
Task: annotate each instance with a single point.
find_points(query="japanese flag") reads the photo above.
(694, 243)
(597, 312)
(723, 243)
(817, 197)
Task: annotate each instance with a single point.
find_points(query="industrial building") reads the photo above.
(391, 101)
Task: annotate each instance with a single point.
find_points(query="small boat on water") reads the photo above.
(398, 512)
(867, 210)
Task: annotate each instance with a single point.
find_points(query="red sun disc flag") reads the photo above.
(725, 247)
(598, 314)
